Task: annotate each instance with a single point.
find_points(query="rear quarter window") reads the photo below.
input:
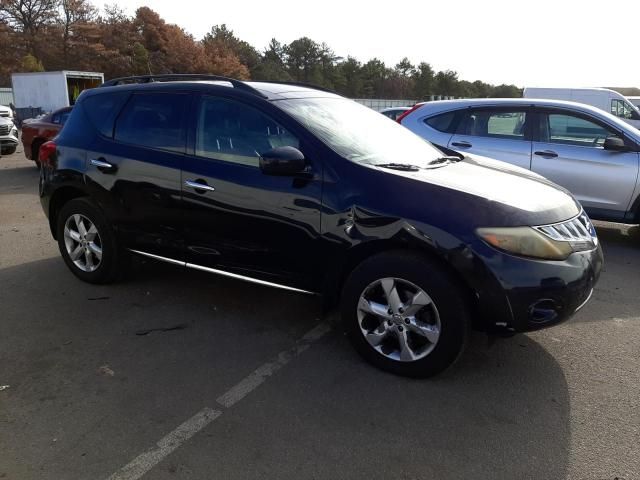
(443, 122)
(102, 110)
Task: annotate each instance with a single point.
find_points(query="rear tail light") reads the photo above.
(46, 153)
(415, 107)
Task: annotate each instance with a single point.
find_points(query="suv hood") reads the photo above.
(495, 193)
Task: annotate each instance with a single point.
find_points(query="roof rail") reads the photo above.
(186, 77)
(300, 84)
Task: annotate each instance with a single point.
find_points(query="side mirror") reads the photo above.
(615, 144)
(282, 161)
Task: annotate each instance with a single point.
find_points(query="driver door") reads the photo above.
(568, 150)
(239, 219)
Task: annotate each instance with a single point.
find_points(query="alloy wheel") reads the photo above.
(398, 319)
(83, 243)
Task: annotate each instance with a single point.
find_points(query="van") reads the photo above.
(602, 98)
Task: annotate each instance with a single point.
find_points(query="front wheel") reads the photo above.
(9, 150)
(405, 314)
(87, 242)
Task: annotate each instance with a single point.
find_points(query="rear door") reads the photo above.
(502, 133)
(568, 149)
(238, 219)
(136, 163)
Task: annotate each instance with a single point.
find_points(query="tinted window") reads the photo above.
(495, 124)
(103, 109)
(571, 130)
(234, 132)
(442, 122)
(154, 120)
(64, 116)
(61, 117)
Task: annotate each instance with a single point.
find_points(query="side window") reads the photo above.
(572, 130)
(234, 132)
(443, 122)
(505, 124)
(102, 110)
(623, 109)
(154, 120)
(64, 116)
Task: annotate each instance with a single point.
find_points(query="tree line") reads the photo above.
(39, 35)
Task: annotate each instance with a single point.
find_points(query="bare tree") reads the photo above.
(72, 14)
(28, 17)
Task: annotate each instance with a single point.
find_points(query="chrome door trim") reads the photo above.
(158, 257)
(223, 273)
(100, 163)
(199, 186)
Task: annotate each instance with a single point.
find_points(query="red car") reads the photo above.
(41, 130)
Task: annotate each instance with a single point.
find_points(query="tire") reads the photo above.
(9, 150)
(100, 259)
(435, 328)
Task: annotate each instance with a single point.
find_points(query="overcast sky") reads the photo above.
(533, 43)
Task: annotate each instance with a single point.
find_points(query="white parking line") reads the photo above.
(259, 375)
(144, 462)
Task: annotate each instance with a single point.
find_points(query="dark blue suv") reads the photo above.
(297, 188)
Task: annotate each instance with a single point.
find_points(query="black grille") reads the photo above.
(5, 129)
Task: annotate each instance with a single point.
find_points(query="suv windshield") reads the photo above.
(360, 134)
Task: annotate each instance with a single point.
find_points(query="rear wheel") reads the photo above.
(87, 243)
(405, 314)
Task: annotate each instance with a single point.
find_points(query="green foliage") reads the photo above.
(31, 64)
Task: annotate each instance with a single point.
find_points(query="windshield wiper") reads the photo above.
(449, 158)
(399, 166)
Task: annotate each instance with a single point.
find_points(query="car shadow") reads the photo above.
(503, 408)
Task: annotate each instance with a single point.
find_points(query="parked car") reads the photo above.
(304, 190)
(590, 152)
(8, 136)
(394, 112)
(6, 112)
(602, 98)
(40, 130)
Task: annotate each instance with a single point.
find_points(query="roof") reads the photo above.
(267, 90)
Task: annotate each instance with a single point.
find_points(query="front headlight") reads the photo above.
(525, 242)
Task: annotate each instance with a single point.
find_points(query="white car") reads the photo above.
(591, 153)
(8, 136)
(6, 112)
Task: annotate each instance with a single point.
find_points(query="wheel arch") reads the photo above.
(59, 198)
(359, 253)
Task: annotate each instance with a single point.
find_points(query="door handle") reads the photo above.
(546, 153)
(200, 186)
(462, 144)
(103, 166)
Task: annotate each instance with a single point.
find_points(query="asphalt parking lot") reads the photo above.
(175, 374)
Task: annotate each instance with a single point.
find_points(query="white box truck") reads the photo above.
(51, 90)
(602, 98)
